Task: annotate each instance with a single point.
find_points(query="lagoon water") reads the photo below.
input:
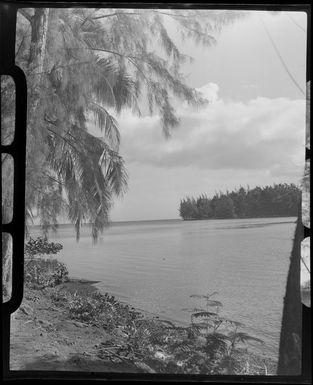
(156, 265)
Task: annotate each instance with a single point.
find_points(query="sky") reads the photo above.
(251, 133)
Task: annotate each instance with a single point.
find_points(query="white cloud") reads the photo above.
(209, 91)
(261, 134)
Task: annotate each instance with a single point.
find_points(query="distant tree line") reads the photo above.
(269, 201)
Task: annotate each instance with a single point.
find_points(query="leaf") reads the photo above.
(214, 303)
(204, 314)
(194, 310)
(171, 324)
(236, 323)
(202, 296)
(216, 342)
(200, 325)
(145, 367)
(199, 296)
(182, 346)
(241, 336)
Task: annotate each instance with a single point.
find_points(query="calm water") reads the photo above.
(157, 265)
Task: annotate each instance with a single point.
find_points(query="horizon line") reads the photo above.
(110, 222)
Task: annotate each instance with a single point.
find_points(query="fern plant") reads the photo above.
(213, 342)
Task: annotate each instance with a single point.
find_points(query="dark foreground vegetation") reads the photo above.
(280, 200)
(210, 344)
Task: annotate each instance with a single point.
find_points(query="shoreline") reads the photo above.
(44, 337)
(148, 221)
(238, 218)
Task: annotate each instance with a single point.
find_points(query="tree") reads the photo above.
(67, 168)
(84, 63)
(83, 66)
(278, 200)
(188, 209)
(204, 207)
(224, 208)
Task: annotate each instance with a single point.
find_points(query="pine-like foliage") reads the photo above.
(269, 201)
(97, 62)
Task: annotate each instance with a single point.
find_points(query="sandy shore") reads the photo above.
(44, 337)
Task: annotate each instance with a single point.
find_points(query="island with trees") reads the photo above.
(279, 200)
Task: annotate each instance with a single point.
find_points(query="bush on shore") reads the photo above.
(40, 246)
(43, 272)
(40, 273)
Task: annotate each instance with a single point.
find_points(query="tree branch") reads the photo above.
(200, 33)
(128, 57)
(115, 14)
(25, 14)
(109, 15)
(51, 177)
(112, 153)
(62, 137)
(19, 47)
(173, 15)
(88, 17)
(60, 66)
(109, 51)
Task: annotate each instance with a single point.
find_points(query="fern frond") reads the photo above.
(204, 314)
(107, 123)
(241, 336)
(166, 322)
(231, 322)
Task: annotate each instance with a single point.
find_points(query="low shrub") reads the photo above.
(100, 310)
(41, 246)
(59, 297)
(42, 272)
(83, 308)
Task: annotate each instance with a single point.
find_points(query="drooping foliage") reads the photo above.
(269, 201)
(84, 66)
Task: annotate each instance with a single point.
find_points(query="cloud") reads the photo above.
(209, 91)
(261, 134)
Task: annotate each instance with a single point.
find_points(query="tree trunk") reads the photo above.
(39, 26)
(36, 59)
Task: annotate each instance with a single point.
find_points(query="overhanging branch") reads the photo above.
(25, 14)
